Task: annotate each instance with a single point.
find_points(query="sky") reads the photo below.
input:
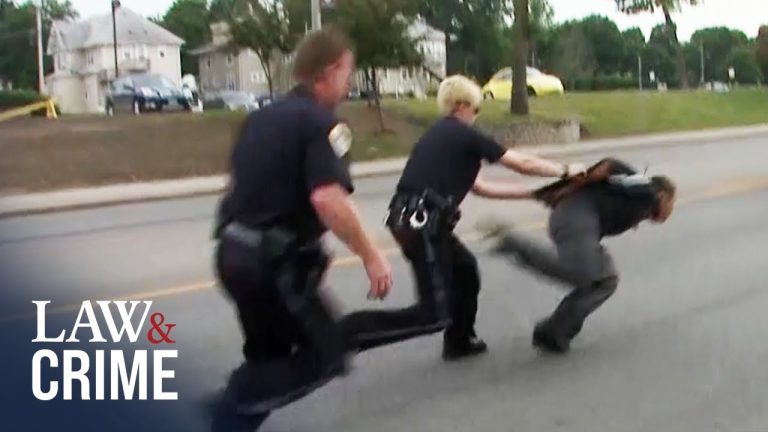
(744, 15)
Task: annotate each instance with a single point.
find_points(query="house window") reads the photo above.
(231, 82)
(229, 59)
(162, 52)
(208, 62)
(90, 60)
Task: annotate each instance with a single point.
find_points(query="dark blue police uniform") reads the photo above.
(440, 172)
(269, 258)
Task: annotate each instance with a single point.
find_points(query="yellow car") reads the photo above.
(539, 84)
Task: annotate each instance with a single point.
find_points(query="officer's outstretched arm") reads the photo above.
(339, 214)
(536, 166)
(496, 190)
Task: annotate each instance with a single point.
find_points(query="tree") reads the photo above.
(634, 46)
(607, 44)
(667, 7)
(571, 56)
(477, 32)
(188, 19)
(18, 59)
(264, 28)
(761, 50)
(519, 103)
(659, 56)
(387, 46)
(718, 44)
(744, 63)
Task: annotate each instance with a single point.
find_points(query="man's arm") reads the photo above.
(536, 166)
(339, 214)
(497, 190)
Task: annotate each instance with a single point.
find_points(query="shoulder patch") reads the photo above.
(340, 138)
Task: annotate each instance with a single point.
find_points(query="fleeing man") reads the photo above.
(611, 199)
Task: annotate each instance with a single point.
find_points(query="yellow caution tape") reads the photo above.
(49, 105)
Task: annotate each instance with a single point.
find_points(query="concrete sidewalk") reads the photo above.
(16, 205)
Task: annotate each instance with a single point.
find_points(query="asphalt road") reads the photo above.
(681, 346)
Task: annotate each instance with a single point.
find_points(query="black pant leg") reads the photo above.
(464, 290)
(286, 355)
(568, 319)
(252, 288)
(370, 329)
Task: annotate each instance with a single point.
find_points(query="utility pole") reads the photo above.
(115, 5)
(317, 21)
(640, 71)
(39, 27)
(702, 61)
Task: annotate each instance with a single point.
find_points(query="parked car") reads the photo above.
(142, 93)
(539, 84)
(230, 100)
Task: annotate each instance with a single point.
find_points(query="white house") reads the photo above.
(222, 68)
(84, 60)
(431, 43)
(225, 68)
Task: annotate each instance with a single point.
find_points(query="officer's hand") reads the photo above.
(380, 275)
(576, 170)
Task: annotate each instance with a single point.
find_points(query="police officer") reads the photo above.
(611, 199)
(441, 170)
(289, 184)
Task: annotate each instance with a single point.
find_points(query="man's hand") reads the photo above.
(380, 275)
(576, 169)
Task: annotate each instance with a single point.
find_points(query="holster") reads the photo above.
(427, 218)
(299, 267)
(426, 212)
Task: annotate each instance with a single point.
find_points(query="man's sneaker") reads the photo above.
(543, 339)
(463, 348)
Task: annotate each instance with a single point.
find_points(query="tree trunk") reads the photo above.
(519, 103)
(369, 87)
(267, 73)
(682, 69)
(378, 100)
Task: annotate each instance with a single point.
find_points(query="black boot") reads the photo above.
(460, 348)
(546, 338)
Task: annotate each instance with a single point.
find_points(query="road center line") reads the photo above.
(724, 189)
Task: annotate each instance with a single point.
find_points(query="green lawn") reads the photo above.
(611, 114)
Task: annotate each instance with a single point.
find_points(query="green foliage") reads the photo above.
(761, 50)
(378, 31)
(188, 19)
(744, 63)
(18, 98)
(18, 57)
(636, 6)
(479, 32)
(264, 27)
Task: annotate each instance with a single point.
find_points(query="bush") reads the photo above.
(606, 82)
(16, 98)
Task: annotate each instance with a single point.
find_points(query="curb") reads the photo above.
(102, 196)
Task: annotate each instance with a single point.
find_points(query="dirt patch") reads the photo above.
(37, 154)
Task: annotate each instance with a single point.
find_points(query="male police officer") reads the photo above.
(288, 185)
(443, 167)
(609, 200)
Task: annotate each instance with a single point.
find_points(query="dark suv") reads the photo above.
(144, 93)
